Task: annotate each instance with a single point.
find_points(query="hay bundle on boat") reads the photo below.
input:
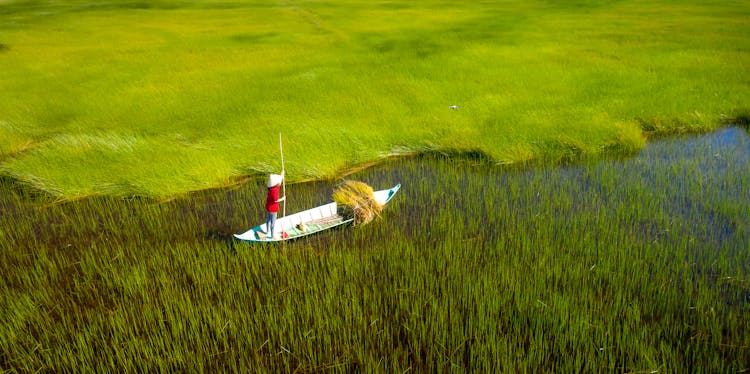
(357, 200)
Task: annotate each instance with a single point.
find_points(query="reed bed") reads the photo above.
(634, 265)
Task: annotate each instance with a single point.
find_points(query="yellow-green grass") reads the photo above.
(160, 98)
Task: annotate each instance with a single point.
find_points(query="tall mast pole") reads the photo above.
(283, 180)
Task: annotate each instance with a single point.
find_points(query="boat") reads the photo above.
(309, 222)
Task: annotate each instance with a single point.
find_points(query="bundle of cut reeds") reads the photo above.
(357, 200)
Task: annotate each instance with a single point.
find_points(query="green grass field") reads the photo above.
(117, 119)
(159, 98)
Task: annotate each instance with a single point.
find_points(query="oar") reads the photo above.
(283, 179)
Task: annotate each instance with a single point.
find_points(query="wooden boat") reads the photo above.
(309, 222)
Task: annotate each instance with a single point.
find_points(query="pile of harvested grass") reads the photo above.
(357, 200)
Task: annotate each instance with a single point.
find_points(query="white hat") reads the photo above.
(273, 180)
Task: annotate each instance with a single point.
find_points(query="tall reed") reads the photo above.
(617, 265)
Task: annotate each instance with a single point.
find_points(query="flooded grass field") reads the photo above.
(629, 265)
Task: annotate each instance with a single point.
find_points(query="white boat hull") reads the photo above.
(313, 220)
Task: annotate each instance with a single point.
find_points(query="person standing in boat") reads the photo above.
(272, 202)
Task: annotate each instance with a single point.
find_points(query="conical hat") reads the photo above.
(273, 180)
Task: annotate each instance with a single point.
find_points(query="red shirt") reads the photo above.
(271, 205)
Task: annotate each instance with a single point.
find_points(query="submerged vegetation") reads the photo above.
(158, 98)
(637, 265)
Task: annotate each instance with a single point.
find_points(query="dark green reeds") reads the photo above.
(636, 265)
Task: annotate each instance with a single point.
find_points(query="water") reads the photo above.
(691, 191)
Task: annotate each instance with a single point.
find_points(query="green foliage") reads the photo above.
(156, 98)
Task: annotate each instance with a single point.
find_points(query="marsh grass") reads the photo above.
(617, 265)
(159, 98)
